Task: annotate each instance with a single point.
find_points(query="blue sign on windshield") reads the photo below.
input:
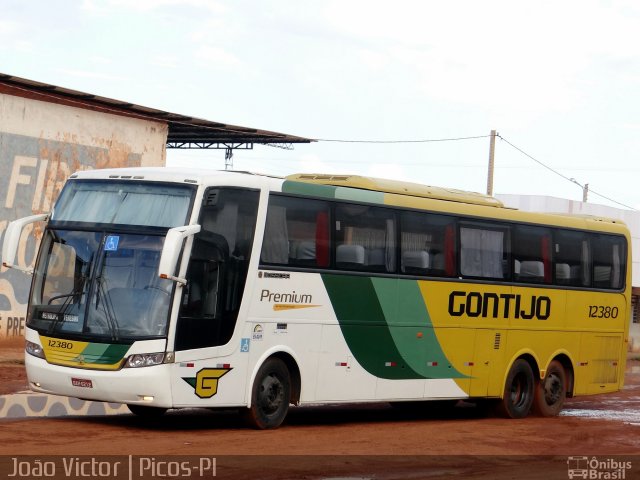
(111, 243)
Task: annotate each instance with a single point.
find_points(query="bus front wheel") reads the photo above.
(270, 395)
(551, 391)
(518, 391)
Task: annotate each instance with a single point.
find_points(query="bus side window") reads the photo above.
(608, 261)
(427, 244)
(365, 238)
(572, 258)
(531, 254)
(296, 232)
(484, 251)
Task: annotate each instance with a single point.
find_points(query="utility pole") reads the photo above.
(585, 189)
(492, 152)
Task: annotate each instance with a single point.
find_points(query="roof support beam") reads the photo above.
(210, 145)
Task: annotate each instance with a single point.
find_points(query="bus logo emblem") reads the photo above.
(205, 383)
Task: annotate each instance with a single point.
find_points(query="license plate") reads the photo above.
(81, 382)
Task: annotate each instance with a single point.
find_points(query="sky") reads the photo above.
(558, 80)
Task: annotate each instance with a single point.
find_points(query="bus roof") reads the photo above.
(397, 187)
(356, 182)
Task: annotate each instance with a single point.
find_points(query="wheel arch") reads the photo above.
(565, 360)
(528, 356)
(292, 363)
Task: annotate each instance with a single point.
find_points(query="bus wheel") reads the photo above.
(518, 391)
(270, 395)
(551, 391)
(146, 411)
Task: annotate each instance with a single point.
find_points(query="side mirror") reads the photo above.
(171, 251)
(12, 240)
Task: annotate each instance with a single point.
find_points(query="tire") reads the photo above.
(518, 391)
(551, 391)
(270, 395)
(146, 411)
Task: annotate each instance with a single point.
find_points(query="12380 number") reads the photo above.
(601, 311)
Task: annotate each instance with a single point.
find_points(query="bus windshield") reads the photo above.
(100, 284)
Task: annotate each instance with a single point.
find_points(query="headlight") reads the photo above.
(34, 349)
(145, 360)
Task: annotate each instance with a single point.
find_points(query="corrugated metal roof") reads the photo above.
(184, 131)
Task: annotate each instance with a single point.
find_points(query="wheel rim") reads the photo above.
(552, 389)
(271, 394)
(519, 392)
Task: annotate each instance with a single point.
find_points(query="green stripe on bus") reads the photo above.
(103, 353)
(356, 195)
(365, 329)
(329, 191)
(410, 326)
(310, 189)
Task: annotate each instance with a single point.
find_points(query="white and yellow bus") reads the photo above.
(164, 288)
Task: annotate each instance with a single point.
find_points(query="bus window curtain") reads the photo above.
(322, 239)
(390, 246)
(545, 244)
(481, 253)
(616, 276)
(586, 264)
(450, 251)
(275, 247)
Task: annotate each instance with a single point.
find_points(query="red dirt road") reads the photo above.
(373, 441)
(13, 377)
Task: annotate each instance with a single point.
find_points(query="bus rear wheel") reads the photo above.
(146, 411)
(270, 395)
(551, 391)
(518, 391)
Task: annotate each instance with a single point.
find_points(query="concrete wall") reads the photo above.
(41, 144)
(634, 338)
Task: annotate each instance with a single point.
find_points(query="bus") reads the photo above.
(166, 288)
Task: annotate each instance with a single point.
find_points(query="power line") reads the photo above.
(572, 180)
(456, 139)
(535, 160)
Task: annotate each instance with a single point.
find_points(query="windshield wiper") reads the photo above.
(76, 292)
(107, 307)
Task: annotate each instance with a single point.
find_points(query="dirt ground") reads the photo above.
(13, 377)
(373, 441)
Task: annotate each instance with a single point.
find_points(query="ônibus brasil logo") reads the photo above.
(595, 468)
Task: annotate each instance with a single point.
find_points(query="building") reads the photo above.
(48, 132)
